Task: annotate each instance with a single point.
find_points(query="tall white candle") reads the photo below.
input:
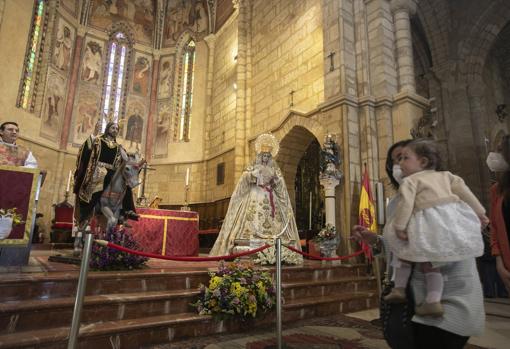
(187, 176)
(69, 180)
(139, 191)
(310, 214)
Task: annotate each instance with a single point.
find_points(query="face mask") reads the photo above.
(397, 174)
(496, 162)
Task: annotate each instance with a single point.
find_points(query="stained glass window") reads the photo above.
(115, 79)
(186, 93)
(34, 48)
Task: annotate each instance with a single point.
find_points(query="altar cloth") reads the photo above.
(166, 232)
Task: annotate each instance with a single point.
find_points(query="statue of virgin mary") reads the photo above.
(260, 207)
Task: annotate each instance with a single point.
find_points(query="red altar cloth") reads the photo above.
(166, 232)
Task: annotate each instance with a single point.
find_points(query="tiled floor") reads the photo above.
(497, 328)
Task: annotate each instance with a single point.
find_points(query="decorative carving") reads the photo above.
(330, 159)
(501, 112)
(426, 126)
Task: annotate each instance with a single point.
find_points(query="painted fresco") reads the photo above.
(86, 114)
(166, 76)
(63, 45)
(141, 75)
(132, 125)
(92, 64)
(185, 15)
(162, 129)
(70, 6)
(138, 13)
(54, 105)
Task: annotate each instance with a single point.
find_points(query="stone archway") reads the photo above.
(292, 147)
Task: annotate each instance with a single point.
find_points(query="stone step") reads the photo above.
(304, 289)
(28, 315)
(136, 333)
(58, 285)
(317, 306)
(23, 315)
(63, 284)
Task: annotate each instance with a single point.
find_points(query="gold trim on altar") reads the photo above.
(165, 225)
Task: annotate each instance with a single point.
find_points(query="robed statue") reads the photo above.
(260, 207)
(104, 177)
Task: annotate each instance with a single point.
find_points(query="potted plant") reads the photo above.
(9, 218)
(327, 240)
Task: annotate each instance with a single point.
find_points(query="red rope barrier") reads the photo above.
(187, 259)
(327, 258)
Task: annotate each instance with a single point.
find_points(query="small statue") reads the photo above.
(330, 159)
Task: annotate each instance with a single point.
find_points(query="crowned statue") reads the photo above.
(260, 208)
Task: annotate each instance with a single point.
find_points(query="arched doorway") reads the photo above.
(299, 161)
(309, 196)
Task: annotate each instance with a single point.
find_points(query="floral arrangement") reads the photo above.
(268, 256)
(236, 290)
(17, 218)
(326, 234)
(104, 258)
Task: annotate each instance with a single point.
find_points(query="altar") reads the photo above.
(166, 232)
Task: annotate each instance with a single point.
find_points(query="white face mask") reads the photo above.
(397, 174)
(497, 163)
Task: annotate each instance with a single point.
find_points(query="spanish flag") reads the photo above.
(367, 217)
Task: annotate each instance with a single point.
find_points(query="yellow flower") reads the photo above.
(214, 282)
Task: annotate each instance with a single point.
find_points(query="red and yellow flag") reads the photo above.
(367, 217)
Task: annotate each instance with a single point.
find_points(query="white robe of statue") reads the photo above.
(259, 208)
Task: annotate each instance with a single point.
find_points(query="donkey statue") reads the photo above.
(110, 203)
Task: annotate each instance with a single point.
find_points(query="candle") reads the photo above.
(310, 214)
(69, 180)
(139, 190)
(187, 176)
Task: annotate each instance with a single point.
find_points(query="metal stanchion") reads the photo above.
(279, 293)
(80, 292)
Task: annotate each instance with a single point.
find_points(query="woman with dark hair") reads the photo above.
(500, 209)
(464, 314)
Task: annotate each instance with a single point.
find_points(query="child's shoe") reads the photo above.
(397, 295)
(429, 309)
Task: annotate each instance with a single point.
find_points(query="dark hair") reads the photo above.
(504, 178)
(389, 160)
(429, 150)
(107, 128)
(2, 126)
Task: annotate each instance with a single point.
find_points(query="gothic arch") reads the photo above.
(482, 36)
(297, 119)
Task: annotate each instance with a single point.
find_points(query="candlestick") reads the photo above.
(69, 181)
(187, 176)
(310, 214)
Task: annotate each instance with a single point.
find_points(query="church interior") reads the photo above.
(193, 83)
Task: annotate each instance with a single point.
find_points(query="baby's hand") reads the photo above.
(401, 234)
(484, 220)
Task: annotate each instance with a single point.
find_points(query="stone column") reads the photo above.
(329, 184)
(402, 9)
(240, 127)
(152, 106)
(73, 82)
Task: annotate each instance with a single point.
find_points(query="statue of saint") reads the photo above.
(260, 207)
(98, 159)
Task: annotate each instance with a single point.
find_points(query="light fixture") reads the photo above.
(235, 86)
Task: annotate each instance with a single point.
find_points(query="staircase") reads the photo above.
(138, 308)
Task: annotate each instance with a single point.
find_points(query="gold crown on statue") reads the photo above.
(267, 143)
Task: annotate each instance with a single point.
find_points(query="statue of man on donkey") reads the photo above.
(103, 181)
